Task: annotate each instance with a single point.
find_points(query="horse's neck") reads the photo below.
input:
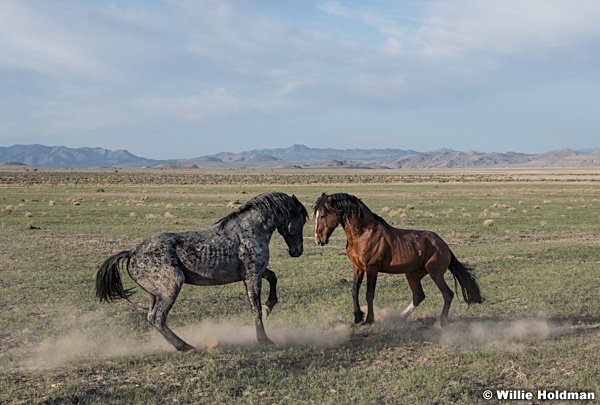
(353, 230)
(251, 222)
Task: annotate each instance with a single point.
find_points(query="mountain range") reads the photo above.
(297, 156)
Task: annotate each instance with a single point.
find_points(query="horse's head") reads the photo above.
(326, 219)
(291, 230)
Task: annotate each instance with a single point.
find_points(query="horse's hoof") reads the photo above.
(358, 317)
(266, 310)
(367, 322)
(266, 342)
(186, 348)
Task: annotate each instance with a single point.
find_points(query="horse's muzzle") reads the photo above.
(295, 252)
(321, 242)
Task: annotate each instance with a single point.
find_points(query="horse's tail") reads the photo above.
(108, 280)
(468, 284)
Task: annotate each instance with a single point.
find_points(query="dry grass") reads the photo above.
(539, 327)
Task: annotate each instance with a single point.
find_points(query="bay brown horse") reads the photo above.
(374, 246)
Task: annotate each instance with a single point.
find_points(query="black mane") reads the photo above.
(268, 204)
(347, 206)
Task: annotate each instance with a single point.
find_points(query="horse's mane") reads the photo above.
(347, 207)
(268, 204)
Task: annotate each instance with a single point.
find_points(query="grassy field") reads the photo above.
(537, 265)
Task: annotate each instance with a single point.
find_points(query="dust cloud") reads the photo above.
(85, 337)
(484, 334)
(90, 337)
(210, 334)
(501, 334)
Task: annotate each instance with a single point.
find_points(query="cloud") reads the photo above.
(205, 106)
(185, 49)
(526, 29)
(472, 44)
(89, 67)
(67, 40)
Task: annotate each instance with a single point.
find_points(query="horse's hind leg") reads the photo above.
(272, 300)
(418, 295)
(437, 275)
(164, 295)
(157, 316)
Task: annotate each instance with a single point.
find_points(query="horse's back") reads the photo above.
(411, 249)
(431, 245)
(204, 257)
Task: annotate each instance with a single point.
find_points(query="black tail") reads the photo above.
(108, 280)
(466, 279)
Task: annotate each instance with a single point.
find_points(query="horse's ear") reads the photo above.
(323, 194)
(295, 199)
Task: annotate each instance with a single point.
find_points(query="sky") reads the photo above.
(177, 79)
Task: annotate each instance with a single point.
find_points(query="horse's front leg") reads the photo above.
(272, 300)
(358, 275)
(253, 284)
(371, 283)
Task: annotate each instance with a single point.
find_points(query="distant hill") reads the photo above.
(298, 156)
(61, 156)
(410, 159)
(301, 153)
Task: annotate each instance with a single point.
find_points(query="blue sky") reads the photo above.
(183, 78)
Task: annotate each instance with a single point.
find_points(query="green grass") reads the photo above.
(537, 267)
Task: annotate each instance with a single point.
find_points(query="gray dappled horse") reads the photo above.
(236, 248)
